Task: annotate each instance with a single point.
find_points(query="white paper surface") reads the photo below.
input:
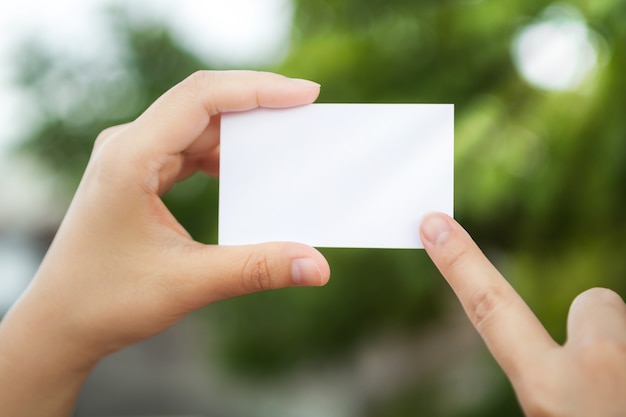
(335, 175)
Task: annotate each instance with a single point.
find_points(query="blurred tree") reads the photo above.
(77, 98)
(540, 176)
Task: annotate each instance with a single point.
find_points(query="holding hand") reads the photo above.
(121, 268)
(585, 377)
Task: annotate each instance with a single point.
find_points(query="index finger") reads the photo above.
(511, 331)
(182, 114)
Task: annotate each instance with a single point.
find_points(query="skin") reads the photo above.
(122, 269)
(584, 377)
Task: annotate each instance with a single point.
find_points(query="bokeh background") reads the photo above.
(540, 182)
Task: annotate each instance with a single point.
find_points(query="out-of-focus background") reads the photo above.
(540, 93)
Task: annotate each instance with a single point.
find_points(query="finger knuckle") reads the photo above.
(256, 274)
(199, 79)
(483, 306)
(103, 137)
(454, 259)
(108, 166)
(100, 139)
(198, 83)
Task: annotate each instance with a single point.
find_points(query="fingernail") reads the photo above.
(435, 229)
(304, 271)
(305, 83)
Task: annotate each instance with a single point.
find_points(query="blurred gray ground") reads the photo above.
(169, 376)
(161, 376)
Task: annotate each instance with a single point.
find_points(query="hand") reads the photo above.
(585, 377)
(121, 268)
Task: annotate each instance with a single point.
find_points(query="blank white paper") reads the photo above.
(335, 175)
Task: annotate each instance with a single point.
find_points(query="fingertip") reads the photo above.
(312, 270)
(324, 268)
(292, 92)
(306, 272)
(300, 82)
(435, 228)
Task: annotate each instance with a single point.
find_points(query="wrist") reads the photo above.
(41, 369)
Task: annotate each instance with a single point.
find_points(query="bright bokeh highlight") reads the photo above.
(557, 52)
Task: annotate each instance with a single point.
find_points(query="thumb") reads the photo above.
(219, 272)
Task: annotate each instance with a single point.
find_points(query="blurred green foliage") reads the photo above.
(540, 176)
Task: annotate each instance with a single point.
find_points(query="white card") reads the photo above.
(335, 175)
